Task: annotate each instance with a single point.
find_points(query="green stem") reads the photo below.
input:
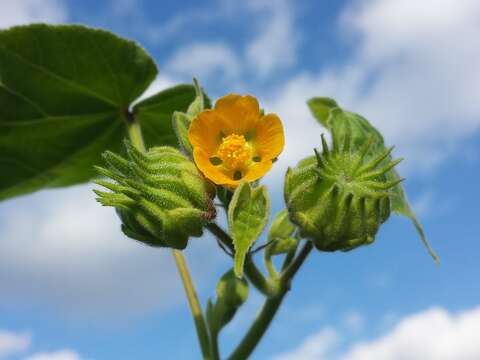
(214, 350)
(135, 135)
(292, 269)
(198, 318)
(272, 272)
(258, 328)
(269, 309)
(255, 276)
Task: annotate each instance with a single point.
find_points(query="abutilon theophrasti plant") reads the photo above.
(68, 105)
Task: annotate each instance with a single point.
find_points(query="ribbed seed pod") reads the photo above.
(339, 197)
(160, 196)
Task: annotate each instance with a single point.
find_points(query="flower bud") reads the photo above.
(160, 196)
(232, 292)
(340, 197)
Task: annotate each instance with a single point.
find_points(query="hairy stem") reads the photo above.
(251, 271)
(135, 135)
(269, 309)
(195, 307)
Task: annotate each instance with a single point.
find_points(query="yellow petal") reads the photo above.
(205, 131)
(257, 170)
(269, 138)
(210, 171)
(240, 113)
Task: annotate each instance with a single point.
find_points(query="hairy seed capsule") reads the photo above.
(160, 196)
(339, 197)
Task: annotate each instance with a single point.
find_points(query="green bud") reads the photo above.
(232, 292)
(280, 235)
(340, 197)
(160, 196)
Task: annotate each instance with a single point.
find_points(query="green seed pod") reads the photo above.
(340, 197)
(160, 196)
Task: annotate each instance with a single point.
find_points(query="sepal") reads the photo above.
(181, 120)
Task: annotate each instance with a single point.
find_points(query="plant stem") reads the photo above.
(214, 350)
(135, 135)
(195, 307)
(269, 309)
(272, 272)
(258, 328)
(253, 274)
(292, 269)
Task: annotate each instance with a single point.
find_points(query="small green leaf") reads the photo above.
(247, 216)
(401, 206)
(340, 122)
(181, 120)
(181, 124)
(197, 105)
(322, 108)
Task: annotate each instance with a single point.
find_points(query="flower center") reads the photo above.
(234, 151)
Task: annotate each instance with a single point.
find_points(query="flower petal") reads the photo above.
(269, 138)
(205, 131)
(257, 170)
(240, 113)
(210, 171)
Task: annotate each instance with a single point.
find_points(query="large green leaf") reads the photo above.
(65, 92)
(247, 216)
(339, 121)
(155, 114)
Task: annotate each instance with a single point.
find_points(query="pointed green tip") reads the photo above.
(198, 89)
(427, 245)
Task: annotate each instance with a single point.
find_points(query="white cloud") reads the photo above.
(434, 334)
(57, 355)
(354, 321)
(431, 335)
(315, 347)
(204, 60)
(415, 76)
(16, 12)
(162, 82)
(61, 249)
(275, 46)
(12, 343)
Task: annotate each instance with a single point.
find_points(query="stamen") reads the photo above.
(234, 151)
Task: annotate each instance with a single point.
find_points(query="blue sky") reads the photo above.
(72, 287)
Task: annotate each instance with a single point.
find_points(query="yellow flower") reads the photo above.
(234, 142)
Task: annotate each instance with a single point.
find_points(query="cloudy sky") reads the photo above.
(73, 288)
